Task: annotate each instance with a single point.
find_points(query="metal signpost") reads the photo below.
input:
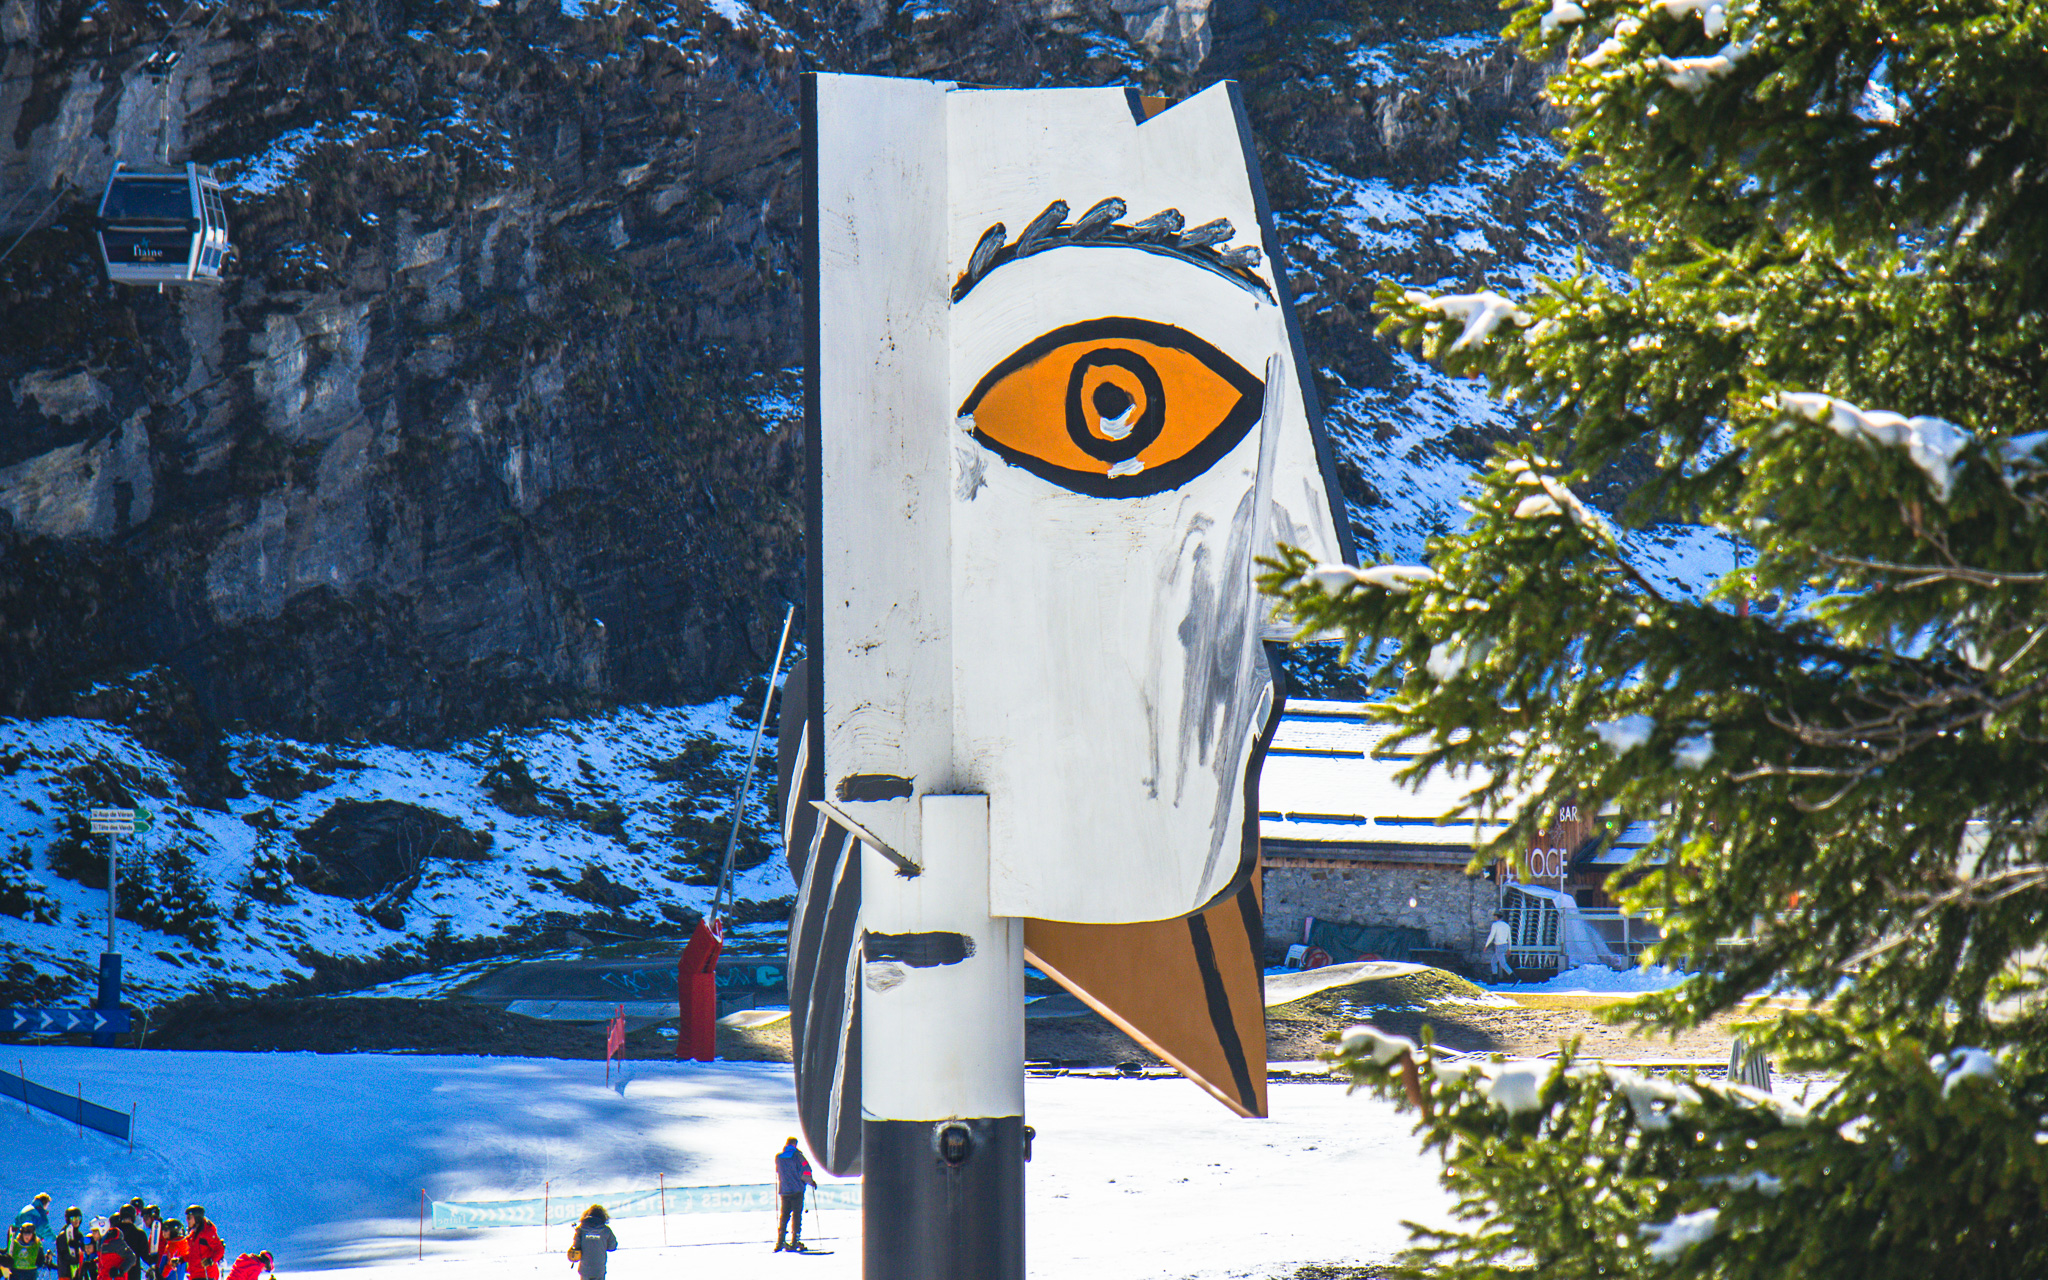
(113, 824)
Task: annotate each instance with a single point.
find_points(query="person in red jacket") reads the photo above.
(203, 1247)
(170, 1252)
(251, 1265)
(114, 1255)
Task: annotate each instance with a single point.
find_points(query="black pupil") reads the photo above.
(1112, 401)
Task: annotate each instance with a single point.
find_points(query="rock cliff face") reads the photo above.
(496, 416)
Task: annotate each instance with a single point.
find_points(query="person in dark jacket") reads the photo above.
(74, 1249)
(145, 1266)
(137, 1241)
(792, 1175)
(594, 1239)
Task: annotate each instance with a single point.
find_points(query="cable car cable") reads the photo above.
(62, 185)
(25, 193)
(62, 181)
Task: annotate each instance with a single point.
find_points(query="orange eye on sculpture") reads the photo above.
(1115, 408)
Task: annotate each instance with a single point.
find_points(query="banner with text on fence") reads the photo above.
(455, 1215)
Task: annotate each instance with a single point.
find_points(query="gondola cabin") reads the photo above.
(162, 225)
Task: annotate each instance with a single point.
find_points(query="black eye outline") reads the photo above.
(1143, 432)
(1222, 438)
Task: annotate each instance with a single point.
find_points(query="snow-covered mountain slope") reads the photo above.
(1480, 201)
(609, 827)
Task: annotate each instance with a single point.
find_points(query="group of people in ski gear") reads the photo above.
(134, 1242)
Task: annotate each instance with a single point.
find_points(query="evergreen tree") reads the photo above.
(1832, 350)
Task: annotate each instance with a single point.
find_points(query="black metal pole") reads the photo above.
(943, 1200)
(109, 998)
(942, 1061)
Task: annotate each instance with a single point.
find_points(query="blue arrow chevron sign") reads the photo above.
(50, 1021)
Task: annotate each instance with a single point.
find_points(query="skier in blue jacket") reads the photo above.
(792, 1175)
(37, 1214)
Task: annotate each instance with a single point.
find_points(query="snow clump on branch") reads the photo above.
(1626, 734)
(1690, 75)
(1338, 579)
(1669, 1239)
(1553, 499)
(1624, 31)
(1562, 13)
(1518, 1090)
(1655, 1101)
(1481, 312)
(1713, 13)
(1382, 1047)
(1932, 443)
(1692, 752)
(1962, 1064)
(1449, 658)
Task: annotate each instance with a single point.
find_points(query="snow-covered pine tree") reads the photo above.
(1833, 351)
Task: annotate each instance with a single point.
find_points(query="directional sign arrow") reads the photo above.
(142, 821)
(26, 1018)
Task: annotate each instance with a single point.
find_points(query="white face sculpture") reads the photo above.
(1057, 415)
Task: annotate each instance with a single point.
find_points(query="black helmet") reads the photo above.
(74, 1212)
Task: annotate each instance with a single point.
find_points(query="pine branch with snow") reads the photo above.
(1919, 1161)
(1835, 352)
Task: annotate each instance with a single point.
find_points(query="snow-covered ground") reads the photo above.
(322, 1159)
(1598, 979)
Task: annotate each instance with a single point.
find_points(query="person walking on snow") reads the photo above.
(594, 1239)
(792, 1175)
(1498, 938)
(251, 1265)
(203, 1249)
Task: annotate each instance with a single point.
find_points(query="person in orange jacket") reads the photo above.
(251, 1265)
(203, 1247)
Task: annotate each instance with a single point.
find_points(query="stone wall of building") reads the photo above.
(1454, 907)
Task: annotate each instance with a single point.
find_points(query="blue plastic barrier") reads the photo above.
(115, 1124)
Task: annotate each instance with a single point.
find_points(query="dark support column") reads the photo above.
(109, 996)
(943, 1199)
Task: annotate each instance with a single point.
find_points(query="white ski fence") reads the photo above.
(459, 1215)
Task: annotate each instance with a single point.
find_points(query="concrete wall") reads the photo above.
(1454, 907)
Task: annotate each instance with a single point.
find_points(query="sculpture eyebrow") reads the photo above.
(1101, 228)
